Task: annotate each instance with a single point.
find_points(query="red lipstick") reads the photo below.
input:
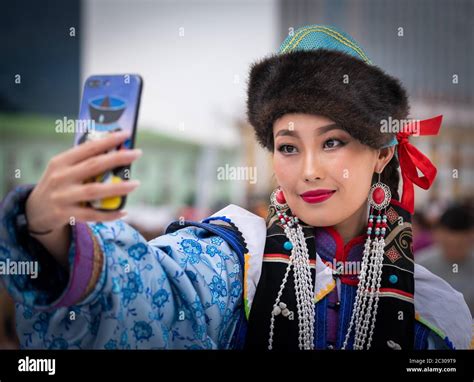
(317, 196)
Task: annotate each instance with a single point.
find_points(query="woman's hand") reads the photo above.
(55, 202)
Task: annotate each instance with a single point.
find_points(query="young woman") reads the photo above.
(331, 267)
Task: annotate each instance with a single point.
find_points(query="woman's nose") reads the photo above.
(312, 168)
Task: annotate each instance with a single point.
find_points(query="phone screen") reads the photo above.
(109, 103)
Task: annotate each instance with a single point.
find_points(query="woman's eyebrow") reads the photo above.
(324, 129)
(320, 131)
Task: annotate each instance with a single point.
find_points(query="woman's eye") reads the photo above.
(287, 149)
(332, 143)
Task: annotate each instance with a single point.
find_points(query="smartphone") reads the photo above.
(109, 103)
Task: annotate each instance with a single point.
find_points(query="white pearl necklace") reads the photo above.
(364, 311)
(365, 307)
(299, 260)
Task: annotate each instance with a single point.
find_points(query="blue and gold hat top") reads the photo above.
(314, 37)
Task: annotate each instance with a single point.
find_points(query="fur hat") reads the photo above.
(322, 71)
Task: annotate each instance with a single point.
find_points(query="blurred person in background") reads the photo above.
(452, 255)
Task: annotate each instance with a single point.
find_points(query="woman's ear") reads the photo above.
(385, 155)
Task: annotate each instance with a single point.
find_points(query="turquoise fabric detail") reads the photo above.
(393, 142)
(314, 37)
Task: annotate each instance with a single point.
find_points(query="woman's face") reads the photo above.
(312, 153)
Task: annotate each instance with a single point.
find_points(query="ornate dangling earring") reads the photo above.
(278, 199)
(367, 298)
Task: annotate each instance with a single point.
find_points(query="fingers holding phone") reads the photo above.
(64, 191)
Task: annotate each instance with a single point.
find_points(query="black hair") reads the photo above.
(457, 217)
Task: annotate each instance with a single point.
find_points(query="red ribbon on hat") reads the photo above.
(411, 159)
